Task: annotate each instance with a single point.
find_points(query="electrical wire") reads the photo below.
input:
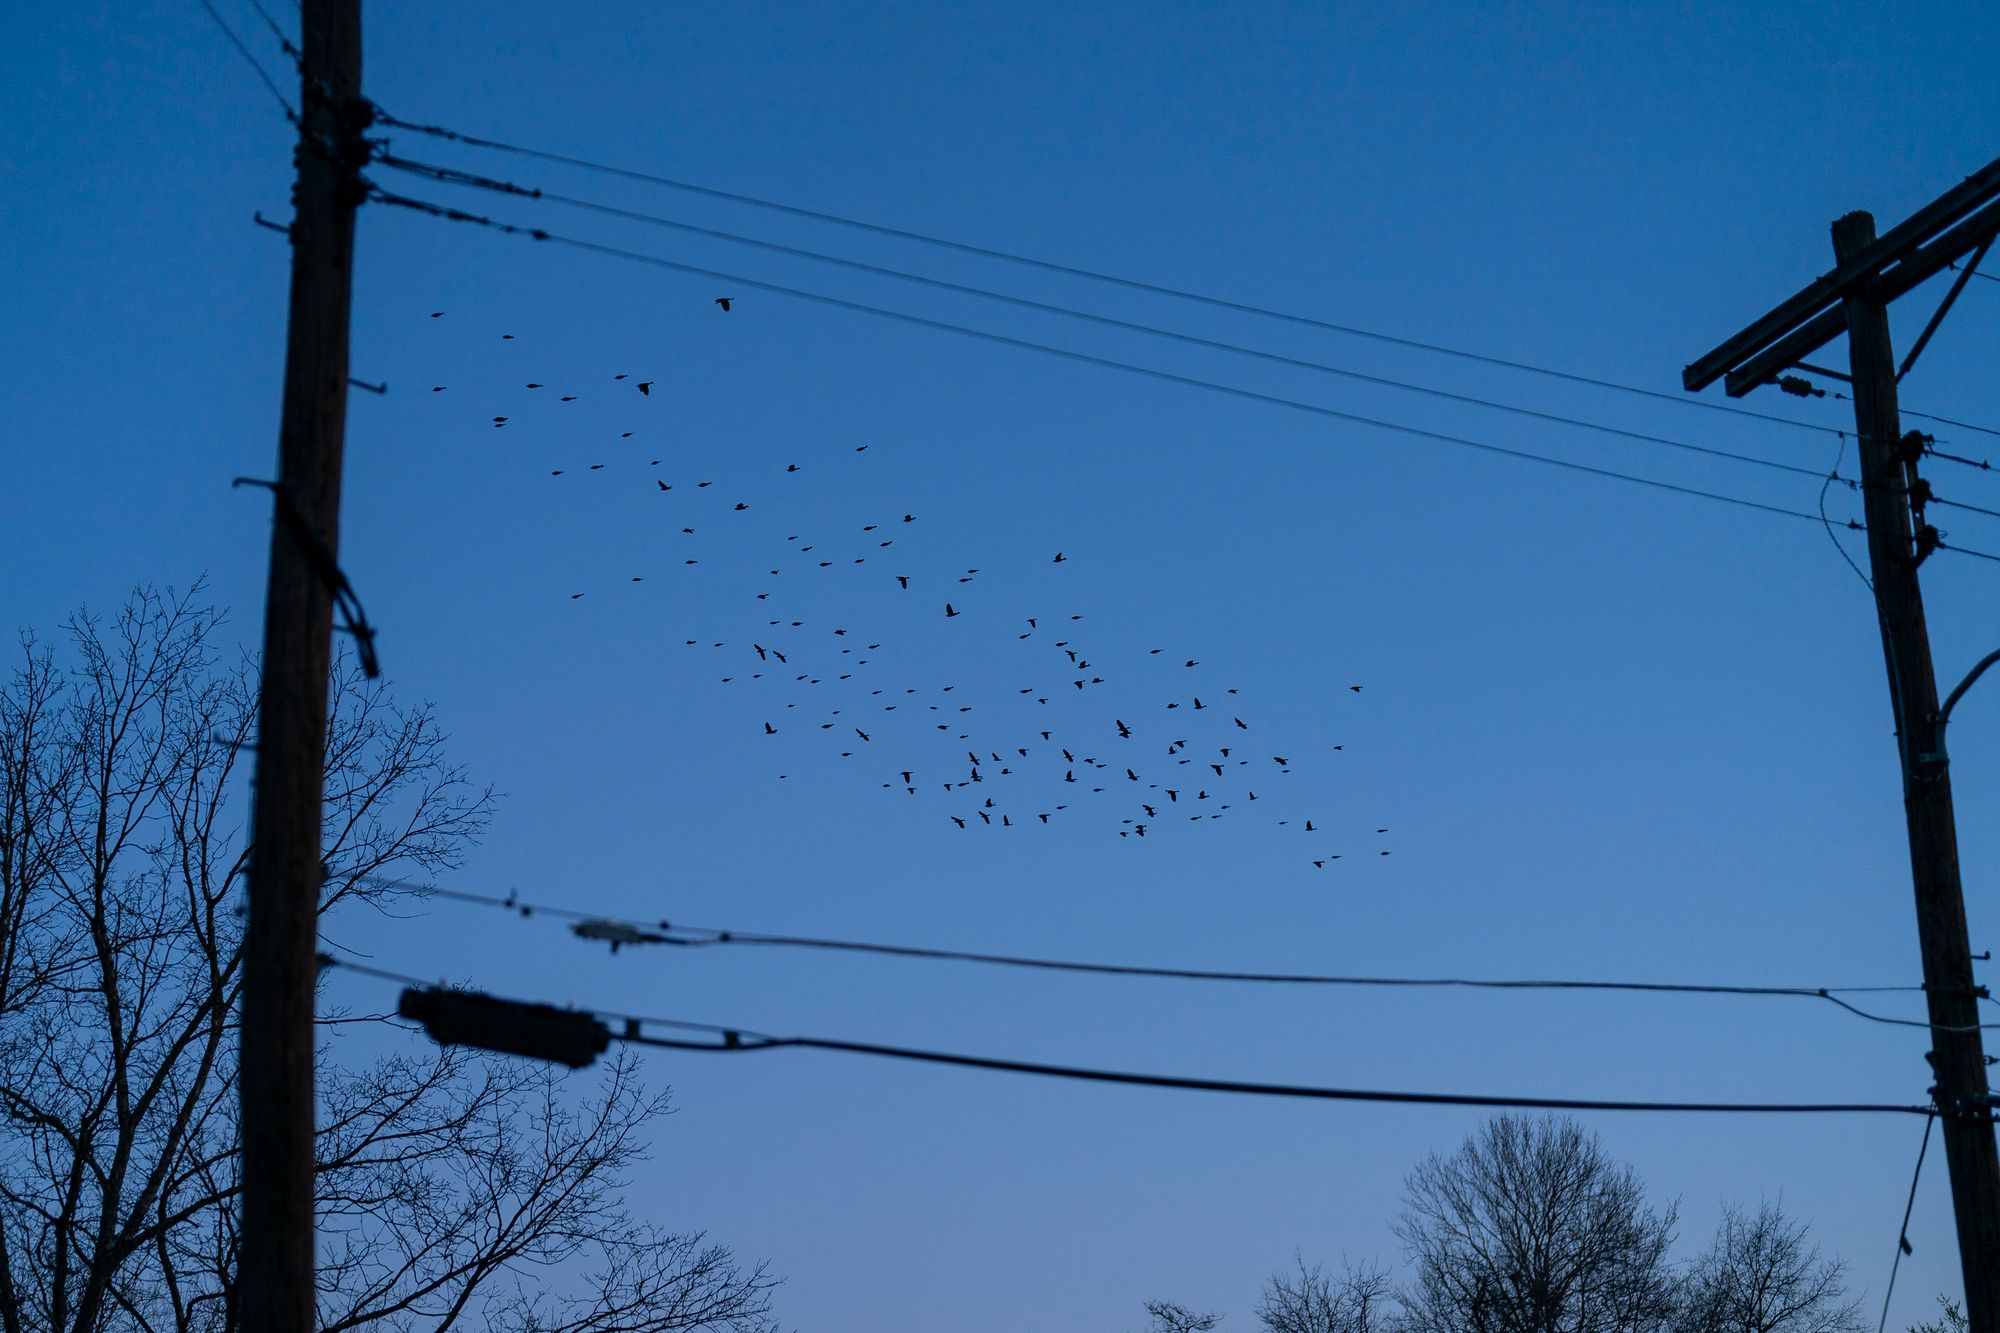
(284, 42)
(1960, 504)
(742, 1040)
(469, 180)
(1903, 1235)
(1831, 535)
(541, 234)
(1949, 421)
(620, 931)
(383, 117)
(256, 65)
(1931, 451)
(1930, 416)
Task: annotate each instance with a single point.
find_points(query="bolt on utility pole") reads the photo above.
(1853, 299)
(275, 1290)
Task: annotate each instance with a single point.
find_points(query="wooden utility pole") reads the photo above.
(1888, 468)
(1853, 298)
(275, 1275)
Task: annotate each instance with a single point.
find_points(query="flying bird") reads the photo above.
(646, 387)
(770, 730)
(949, 610)
(724, 301)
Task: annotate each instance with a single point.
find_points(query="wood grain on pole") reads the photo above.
(275, 1279)
(1957, 1055)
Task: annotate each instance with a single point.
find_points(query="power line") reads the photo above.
(541, 234)
(449, 213)
(1354, 331)
(1982, 464)
(284, 42)
(731, 1040)
(1930, 416)
(1960, 504)
(1827, 523)
(620, 931)
(452, 176)
(1903, 1235)
(249, 59)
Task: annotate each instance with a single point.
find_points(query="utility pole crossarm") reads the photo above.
(1915, 249)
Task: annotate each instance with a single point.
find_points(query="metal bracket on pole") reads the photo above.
(1939, 756)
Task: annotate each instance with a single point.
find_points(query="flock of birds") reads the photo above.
(1070, 741)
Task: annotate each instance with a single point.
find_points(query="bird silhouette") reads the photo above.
(724, 301)
(949, 610)
(770, 730)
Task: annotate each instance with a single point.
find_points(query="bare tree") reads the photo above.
(454, 1191)
(1951, 1318)
(1530, 1228)
(1759, 1275)
(1360, 1300)
(1169, 1317)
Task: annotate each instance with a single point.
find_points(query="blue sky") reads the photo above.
(1613, 732)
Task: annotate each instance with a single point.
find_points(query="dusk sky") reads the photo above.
(1602, 731)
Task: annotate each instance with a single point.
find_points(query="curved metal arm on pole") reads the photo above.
(1944, 713)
